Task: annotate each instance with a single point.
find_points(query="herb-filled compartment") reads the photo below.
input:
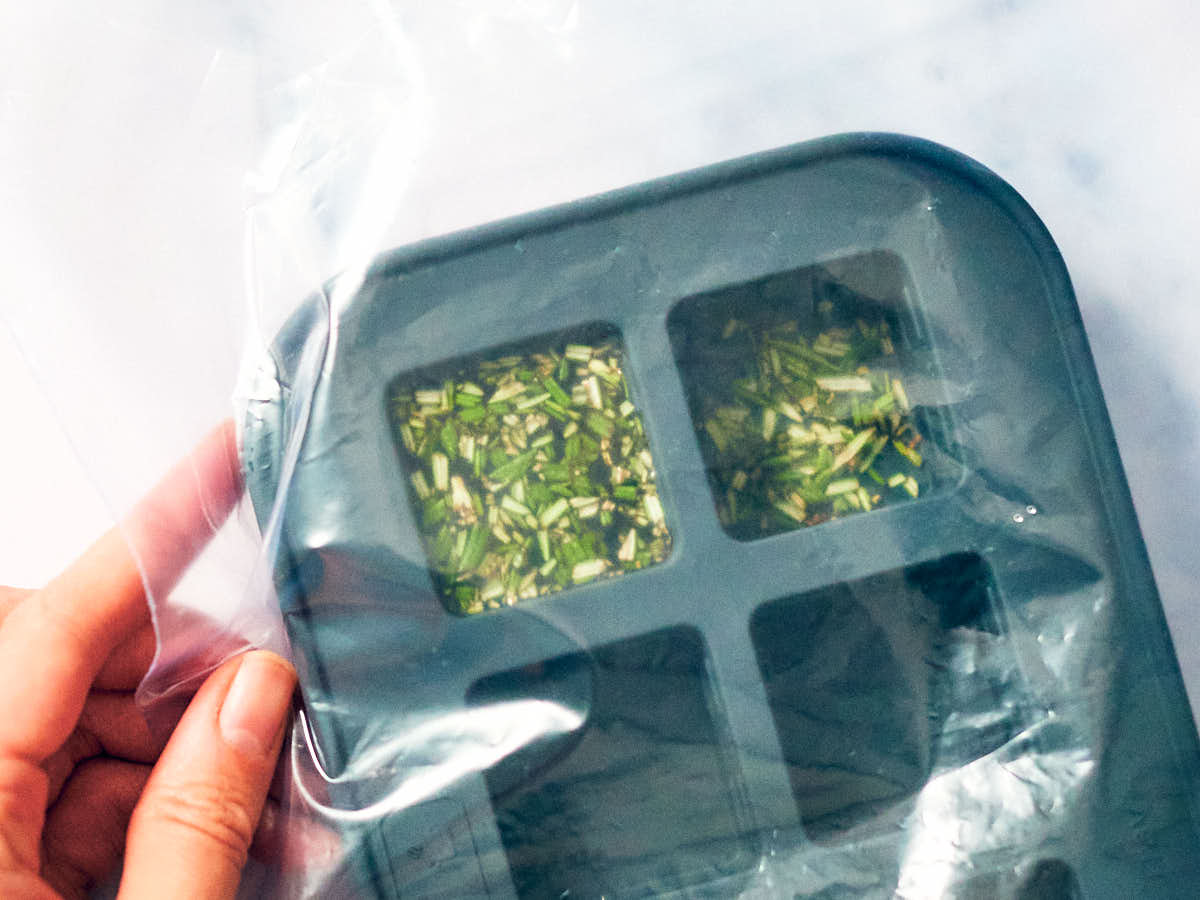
(530, 467)
(800, 387)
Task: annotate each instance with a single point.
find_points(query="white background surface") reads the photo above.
(133, 140)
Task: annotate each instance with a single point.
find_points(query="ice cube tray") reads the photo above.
(804, 702)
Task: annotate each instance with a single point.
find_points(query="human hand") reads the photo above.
(82, 778)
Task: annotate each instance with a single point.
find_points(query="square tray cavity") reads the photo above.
(595, 811)
(876, 685)
(796, 387)
(530, 468)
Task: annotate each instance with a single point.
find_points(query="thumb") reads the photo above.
(192, 827)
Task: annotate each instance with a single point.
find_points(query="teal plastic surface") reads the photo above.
(971, 693)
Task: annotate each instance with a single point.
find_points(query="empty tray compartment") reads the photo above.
(641, 799)
(876, 685)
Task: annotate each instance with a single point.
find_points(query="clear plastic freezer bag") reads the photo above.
(754, 532)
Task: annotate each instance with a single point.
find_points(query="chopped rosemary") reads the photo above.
(531, 473)
(814, 427)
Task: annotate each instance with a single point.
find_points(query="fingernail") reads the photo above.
(258, 702)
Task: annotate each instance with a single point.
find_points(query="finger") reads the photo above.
(194, 643)
(196, 819)
(54, 642)
(294, 841)
(85, 831)
(172, 523)
(10, 597)
(26, 885)
(192, 646)
(288, 836)
(112, 725)
(126, 666)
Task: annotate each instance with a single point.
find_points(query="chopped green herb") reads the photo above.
(506, 392)
(578, 352)
(554, 512)
(845, 383)
(599, 425)
(850, 451)
(429, 397)
(787, 438)
(908, 453)
(841, 486)
(531, 472)
(420, 485)
(587, 570)
(441, 471)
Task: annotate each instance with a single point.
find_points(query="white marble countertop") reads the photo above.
(126, 136)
